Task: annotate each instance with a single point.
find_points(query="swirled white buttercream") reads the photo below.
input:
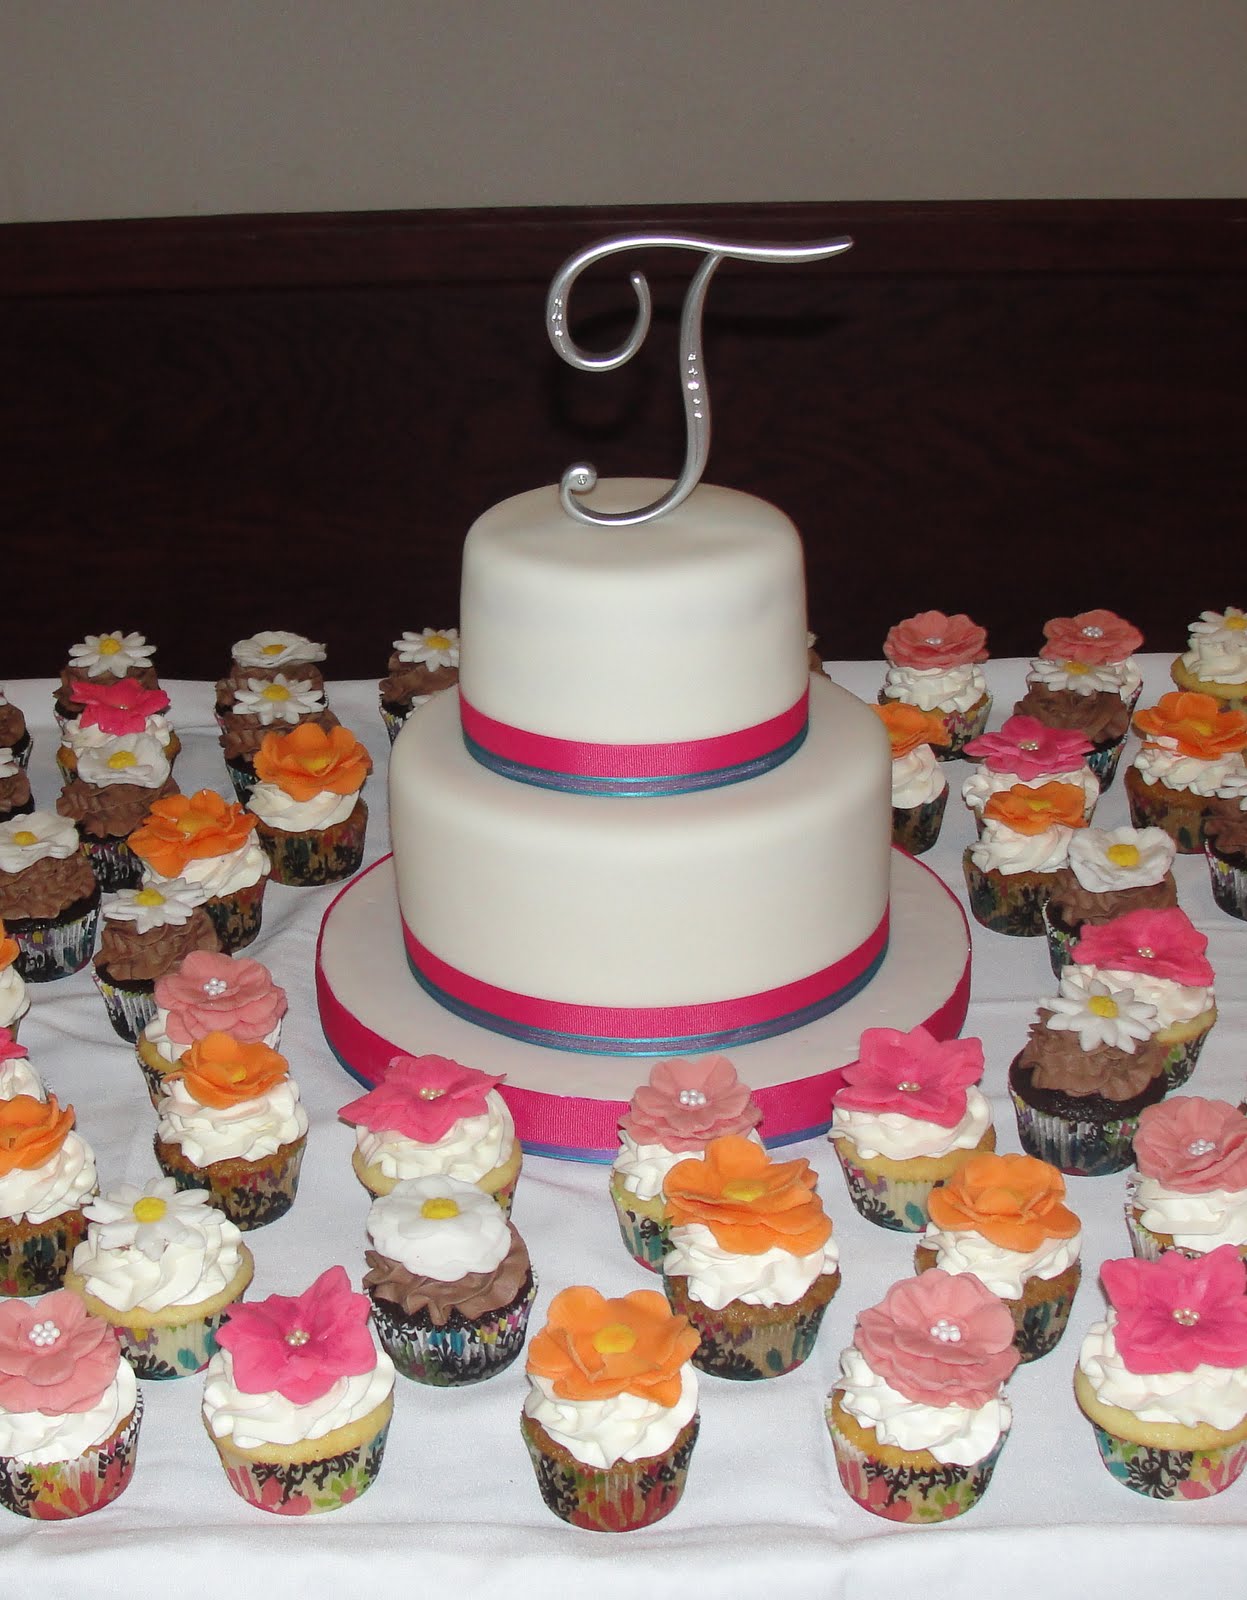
(61, 1184)
(255, 1420)
(410, 1225)
(1224, 777)
(192, 1253)
(715, 1276)
(248, 1131)
(979, 787)
(134, 758)
(279, 810)
(1213, 1395)
(936, 688)
(901, 1138)
(1002, 849)
(218, 875)
(1196, 1221)
(1004, 1272)
(14, 1001)
(80, 739)
(156, 1035)
(624, 1428)
(1219, 657)
(1174, 1002)
(1107, 677)
(916, 779)
(954, 1435)
(469, 1150)
(643, 1168)
(38, 836)
(34, 1439)
(17, 1076)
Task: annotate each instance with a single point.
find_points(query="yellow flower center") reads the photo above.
(1076, 668)
(109, 647)
(744, 1190)
(121, 759)
(615, 1339)
(276, 691)
(150, 1208)
(1123, 855)
(1202, 727)
(1103, 1005)
(25, 838)
(438, 641)
(1236, 624)
(149, 897)
(316, 764)
(271, 649)
(193, 822)
(440, 1208)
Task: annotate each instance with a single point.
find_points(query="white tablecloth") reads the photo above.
(455, 1507)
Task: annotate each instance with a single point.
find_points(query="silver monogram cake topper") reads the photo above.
(581, 478)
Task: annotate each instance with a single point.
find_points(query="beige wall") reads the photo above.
(167, 107)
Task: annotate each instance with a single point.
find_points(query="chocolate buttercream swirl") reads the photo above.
(1058, 1062)
(14, 794)
(476, 1294)
(1070, 905)
(1102, 717)
(1227, 834)
(408, 679)
(242, 735)
(47, 888)
(12, 727)
(68, 706)
(109, 811)
(128, 956)
(237, 678)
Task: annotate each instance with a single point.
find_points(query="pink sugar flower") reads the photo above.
(421, 1098)
(55, 1357)
(1175, 1314)
(1097, 637)
(300, 1345)
(1192, 1145)
(931, 640)
(939, 1339)
(686, 1103)
(119, 708)
(1159, 944)
(214, 993)
(912, 1074)
(1027, 749)
(10, 1050)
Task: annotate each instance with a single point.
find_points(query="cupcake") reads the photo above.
(1190, 1191)
(611, 1418)
(298, 1399)
(47, 1174)
(1109, 872)
(266, 656)
(104, 659)
(918, 1416)
(69, 1410)
(310, 816)
(1215, 659)
(1163, 1378)
(113, 790)
(108, 711)
(16, 799)
(144, 934)
(450, 1281)
(1160, 956)
(17, 1076)
(1191, 760)
(208, 993)
(14, 1001)
(230, 1121)
(260, 707)
(685, 1104)
(1025, 752)
(49, 899)
(907, 1115)
(919, 788)
(421, 665)
(752, 1263)
(1225, 846)
(210, 843)
(1003, 1219)
(1091, 653)
(1025, 842)
(1077, 701)
(934, 664)
(430, 1117)
(14, 734)
(1089, 1067)
(161, 1266)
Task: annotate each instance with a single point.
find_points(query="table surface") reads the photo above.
(455, 1505)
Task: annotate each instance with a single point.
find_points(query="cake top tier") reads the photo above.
(690, 627)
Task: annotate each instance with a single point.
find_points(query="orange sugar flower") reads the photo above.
(31, 1131)
(908, 727)
(9, 949)
(1195, 724)
(592, 1348)
(749, 1202)
(1032, 810)
(1014, 1201)
(220, 1070)
(309, 761)
(183, 828)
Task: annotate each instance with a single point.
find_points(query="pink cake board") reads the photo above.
(567, 1104)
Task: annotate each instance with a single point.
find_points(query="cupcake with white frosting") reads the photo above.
(919, 788)
(17, 1076)
(1190, 1189)
(14, 1000)
(1025, 752)
(1215, 659)
(1026, 839)
(108, 711)
(47, 1174)
(421, 665)
(161, 1265)
(308, 803)
(935, 663)
(1190, 767)
(1108, 872)
(210, 844)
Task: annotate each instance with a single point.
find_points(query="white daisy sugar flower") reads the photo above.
(118, 653)
(1100, 1013)
(1078, 677)
(150, 1220)
(1228, 626)
(38, 836)
(1120, 858)
(169, 903)
(431, 647)
(137, 758)
(280, 699)
(275, 648)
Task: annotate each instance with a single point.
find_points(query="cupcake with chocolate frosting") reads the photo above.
(144, 934)
(110, 795)
(1099, 715)
(49, 897)
(1109, 872)
(16, 799)
(104, 659)
(266, 656)
(1190, 1190)
(263, 706)
(14, 734)
(421, 665)
(934, 663)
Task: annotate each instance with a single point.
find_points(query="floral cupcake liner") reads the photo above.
(1061, 942)
(242, 775)
(916, 828)
(1229, 885)
(1085, 1148)
(1040, 1314)
(1007, 902)
(175, 1351)
(961, 727)
(747, 1342)
(251, 1193)
(1155, 805)
(886, 1201)
(56, 1490)
(114, 864)
(614, 1499)
(130, 1006)
(55, 947)
(153, 1075)
(1169, 1474)
(393, 721)
(236, 917)
(324, 855)
(1149, 1246)
(35, 1256)
(1103, 761)
(908, 1493)
(303, 1488)
(645, 1236)
(1181, 1057)
(463, 1351)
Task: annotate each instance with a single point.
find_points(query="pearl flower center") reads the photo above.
(297, 1337)
(1146, 951)
(934, 638)
(1186, 1316)
(1028, 744)
(945, 1331)
(215, 987)
(908, 1086)
(1200, 1147)
(692, 1097)
(44, 1333)
(430, 1093)
(1092, 632)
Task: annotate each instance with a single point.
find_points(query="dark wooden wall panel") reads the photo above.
(210, 426)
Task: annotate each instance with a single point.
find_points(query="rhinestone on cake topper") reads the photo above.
(580, 479)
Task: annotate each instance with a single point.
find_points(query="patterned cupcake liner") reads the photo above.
(1010, 903)
(1060, 943)
(393, 722)
(21, 751)
(1149, 1246)
(504, 1196)
(61, 1489)
(1229, 885)
(1103, 761)
(460, 1353)
(236, 917)
(909, 1493)
(614, 1499)
(49, 948)
(1082, 1148)
(242, 775)
(645, 1238)
(114, 864)
(153, 1078)
(177, 1350)
(303, 1488)
(251, 1193)
(1181, 1058)
(130, 1006)
(961, 727)
(34, 1257)
(1154, 806)
(1170, 1474)
(1040, 1325)
(734, 1345)
(304, 860)
(887, 1202)
(916, 828)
